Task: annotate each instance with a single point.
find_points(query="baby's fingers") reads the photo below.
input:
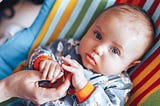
(42, 69)
(51, 71)
(42, 65)
(71, 62)
(56, 73)
(45, 70)
(68, 68)
(59, 76)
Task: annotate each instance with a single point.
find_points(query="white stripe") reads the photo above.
(72, 18)
(86, 18)
(156, 14)
(110, 3)
(148, 4)
(55, 20)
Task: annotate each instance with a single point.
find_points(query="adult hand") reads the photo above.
(24, 84)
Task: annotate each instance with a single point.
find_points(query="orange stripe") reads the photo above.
(46, 25)
(153, 88)
(20, 67)
(145, 86)
(155, 83)
(63, 20)
(41, 35)
(145, 63)
(147, 70)
(145, 79)
(148, 94)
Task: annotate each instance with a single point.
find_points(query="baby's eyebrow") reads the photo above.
(120, 46)
(99, 28)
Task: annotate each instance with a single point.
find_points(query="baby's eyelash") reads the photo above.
(98, 35)
(115, 51)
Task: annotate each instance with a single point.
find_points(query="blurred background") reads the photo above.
(16, 15)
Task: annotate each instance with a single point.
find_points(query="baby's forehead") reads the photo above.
(133, 18)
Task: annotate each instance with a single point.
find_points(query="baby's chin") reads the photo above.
(91, 68)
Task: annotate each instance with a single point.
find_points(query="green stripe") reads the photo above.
(152, 100)
(79, 19)
(9, 101)
(98, 11)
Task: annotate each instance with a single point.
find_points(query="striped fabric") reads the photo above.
(71, 18)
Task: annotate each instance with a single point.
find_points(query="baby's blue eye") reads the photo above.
(98, 36)
(115, 51)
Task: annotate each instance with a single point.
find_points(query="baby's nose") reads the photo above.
(98, 50)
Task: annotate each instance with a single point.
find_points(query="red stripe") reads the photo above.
(121, 1)
(157, 23)
(130, 1)
(153, 7)
(139, 3)
(136, 100)
(117, 1)
(135, 88)
(142, 2)
(146, 62)
(135, 2)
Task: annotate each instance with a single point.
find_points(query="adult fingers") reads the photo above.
(59, 92)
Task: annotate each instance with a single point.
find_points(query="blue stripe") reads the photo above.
(156, 14)
(157, 31)
(72, 18)
(86, 18)
(148, 4)
(55, 20)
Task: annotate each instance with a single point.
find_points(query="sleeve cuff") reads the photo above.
(39, 59)
(84, 93)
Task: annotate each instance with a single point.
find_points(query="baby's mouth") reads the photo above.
(90, 59)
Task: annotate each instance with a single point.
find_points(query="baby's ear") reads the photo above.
(133, 64)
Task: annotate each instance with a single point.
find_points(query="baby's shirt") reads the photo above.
(103, 90)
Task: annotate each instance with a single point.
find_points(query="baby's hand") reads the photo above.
(78, 79)
(51, 70)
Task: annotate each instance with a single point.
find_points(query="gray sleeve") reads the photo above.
(113, 92)
(55, 50)
(108, 97)
(40, 51)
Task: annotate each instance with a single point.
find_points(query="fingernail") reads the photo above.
(53, 81)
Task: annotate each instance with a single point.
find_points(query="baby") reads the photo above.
(98, 63)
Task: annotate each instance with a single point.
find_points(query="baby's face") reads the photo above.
(110, 45)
